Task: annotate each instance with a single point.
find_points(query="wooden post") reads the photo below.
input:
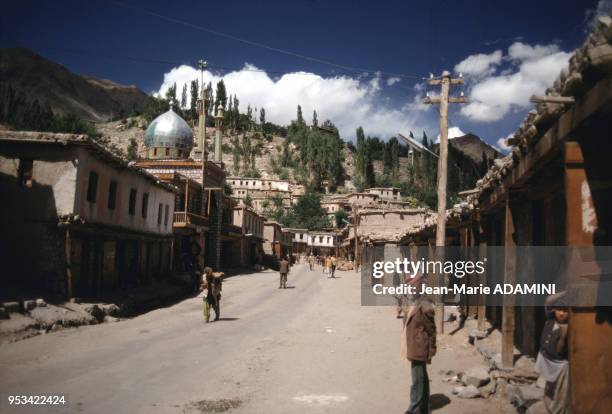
(482, 251)
(509, 277)
(444, 81)
(186, 198)
(590, 350)
(68, 252)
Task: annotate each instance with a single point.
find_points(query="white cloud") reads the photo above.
(392, 81)
(480, 64)
(348, 102)
(453, 132)
(502, 145)
(532, 70)
(522, 51)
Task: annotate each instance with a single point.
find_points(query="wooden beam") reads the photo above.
(508, 320)
(451, 99)
(552, 99)
(594, 100)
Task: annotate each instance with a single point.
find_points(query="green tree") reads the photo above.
(361, 161)
(315, 120)
(132, 150)
(184, 97)
(341, 218)
(193, 105)
(208, 93)
(300, 118)
(171, 94)
(306, 213)
(221, 95)
(262, 117)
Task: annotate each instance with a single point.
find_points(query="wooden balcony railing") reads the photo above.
(183, 218)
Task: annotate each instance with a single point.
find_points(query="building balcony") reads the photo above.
(184, 219)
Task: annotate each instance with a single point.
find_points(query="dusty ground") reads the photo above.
(310, 348)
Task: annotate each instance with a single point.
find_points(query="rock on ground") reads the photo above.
(467, 392)
(476, 376)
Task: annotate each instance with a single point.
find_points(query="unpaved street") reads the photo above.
(309, 348)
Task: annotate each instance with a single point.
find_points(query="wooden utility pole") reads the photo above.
(444, 81)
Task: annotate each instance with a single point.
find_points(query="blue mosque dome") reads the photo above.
(168, 136)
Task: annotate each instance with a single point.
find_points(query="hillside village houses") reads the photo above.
(181, 220)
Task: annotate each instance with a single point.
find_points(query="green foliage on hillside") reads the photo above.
(320, 157)
(31, 115)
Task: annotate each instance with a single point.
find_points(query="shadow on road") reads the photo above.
(437, 401)
(228, 319)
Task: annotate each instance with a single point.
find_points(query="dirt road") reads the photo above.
(311, 348)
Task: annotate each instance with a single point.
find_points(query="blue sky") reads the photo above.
(503, 51)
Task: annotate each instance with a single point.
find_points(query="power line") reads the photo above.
(261, 45)
(172, 62)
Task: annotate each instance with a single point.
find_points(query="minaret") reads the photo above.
(202, 65)
(219, 131)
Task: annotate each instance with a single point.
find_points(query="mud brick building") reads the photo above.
(79, 220)
(252, 229)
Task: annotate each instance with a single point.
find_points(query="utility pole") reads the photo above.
(444, 81)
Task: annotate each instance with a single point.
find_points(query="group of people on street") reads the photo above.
(418, 346)
(329, 264)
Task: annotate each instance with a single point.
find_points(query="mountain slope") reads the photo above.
(66, 92)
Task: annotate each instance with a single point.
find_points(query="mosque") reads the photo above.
(203, 218)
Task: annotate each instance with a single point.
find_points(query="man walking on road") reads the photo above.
(311, 260)
(283, 268)
(419, 347)
(213, 285)
(333, 261)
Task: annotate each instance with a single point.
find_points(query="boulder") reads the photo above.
(476, 376)
(469, 392)
(96, 312)
(110, 309)
(526, 395)
(40, 303)
(489, 389)
(28, 305)
(3, 313)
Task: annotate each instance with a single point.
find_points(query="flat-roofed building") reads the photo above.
(94, 223)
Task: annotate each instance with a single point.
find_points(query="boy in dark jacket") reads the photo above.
(419, 347)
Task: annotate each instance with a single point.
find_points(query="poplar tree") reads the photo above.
(184, 97)
(360, 163)
(193, 105)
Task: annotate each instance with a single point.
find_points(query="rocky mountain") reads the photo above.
(473, 147)
(65, 91)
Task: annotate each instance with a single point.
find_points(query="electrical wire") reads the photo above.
(262, 45)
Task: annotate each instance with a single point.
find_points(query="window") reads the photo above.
(132, 206)
(155, 152)
(160, 211)
(112, 194)
(92, 187)
(145, 205)
(166, 212)
(25, 172)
